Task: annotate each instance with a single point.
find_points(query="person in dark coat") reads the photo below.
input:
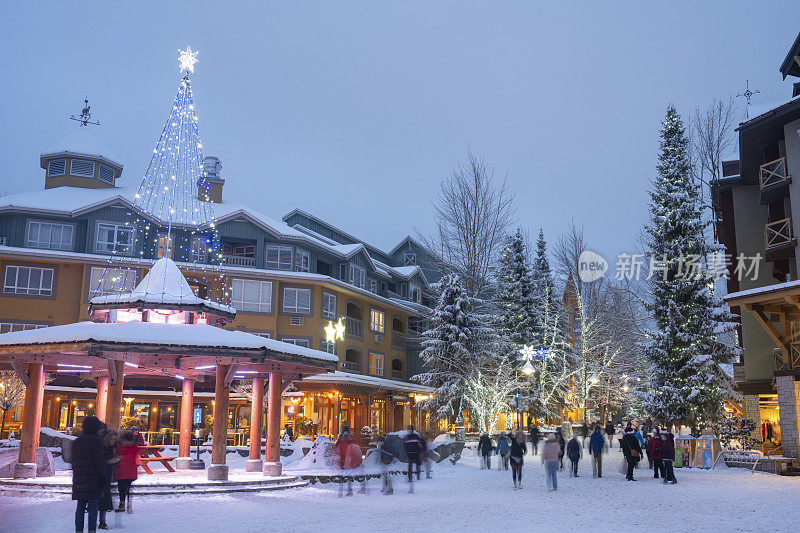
(109, 455)
(562, 445)
(574, 452)
(668, 455)
(535, 439)
(584, 434)
(610, 433)
(138, 437)
(516, 451)
(485, 450)
(413, 445)
(631, 450)
(596, 448)
(503, 443)
(88, 472)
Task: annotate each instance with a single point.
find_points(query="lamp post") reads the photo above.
(197, 463)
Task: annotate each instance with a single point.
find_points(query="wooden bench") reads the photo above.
(144, 458)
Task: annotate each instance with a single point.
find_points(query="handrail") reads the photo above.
(773, 173)
(740, 456)
(778, 233)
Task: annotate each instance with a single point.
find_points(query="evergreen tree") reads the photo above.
(685, 349)
(515, 295)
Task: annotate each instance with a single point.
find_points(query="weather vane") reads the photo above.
(747, 95)
(86, 114)
(187, 59)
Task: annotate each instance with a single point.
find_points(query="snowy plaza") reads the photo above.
(423, 266)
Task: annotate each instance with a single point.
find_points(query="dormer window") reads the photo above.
(81, 167)
(106, 174)
(56, 167)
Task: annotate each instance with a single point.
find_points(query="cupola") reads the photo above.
(80, 160)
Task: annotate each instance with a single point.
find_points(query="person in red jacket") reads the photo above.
(654, 452)
(126, 471)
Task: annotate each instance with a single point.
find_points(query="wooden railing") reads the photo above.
(780, 364)
(398, 340)
(778, 233)
(794, 355)
(350, 365)
(773, 173)
(354, 327)
(238, 260)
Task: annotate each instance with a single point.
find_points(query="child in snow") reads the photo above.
(550, 452)
(126, 471)
(574, 452)
(517, 450)
(502, 451)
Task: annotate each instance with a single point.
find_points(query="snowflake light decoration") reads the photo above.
(187, 59)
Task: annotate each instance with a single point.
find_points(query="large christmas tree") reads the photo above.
(515, 295)
(685, 348)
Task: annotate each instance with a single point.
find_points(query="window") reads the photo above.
(326, 346)
(56, 167)
(328, 306)
(114, 238)
(164, 246)
(106, 174)
(375, 364)
(410, 259)
(279, 257)
(81, 167)
(297, 342)
(249, 295)
(265, 334)
(343, 272)
(297, 301)
(376, 321)
(356, 276)
(199, 250)
(49, 235)
(372, 286)
(104, 281)
(8, 327)
(414, 294)
(303, 261)
(28, 280)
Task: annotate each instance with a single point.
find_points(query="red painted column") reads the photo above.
(218, 471)
(185, 442)
(101, 402)
(272, 466)
(31, 422)
(254, 463)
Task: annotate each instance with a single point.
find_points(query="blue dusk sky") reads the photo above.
(355, 111)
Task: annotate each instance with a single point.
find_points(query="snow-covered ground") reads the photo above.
(464, 498)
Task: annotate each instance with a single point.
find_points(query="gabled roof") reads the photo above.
(67, 201)
(333, 228)
(409, 272)
(790, 65)
(408, 238)
(82, 142)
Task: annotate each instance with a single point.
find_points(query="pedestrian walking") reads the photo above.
(88, 473)
(631, 450)
(516, 451)
(485, 451)
(425, 457)
(535, 439)
(105, 503)
(550, 452)
(654, 453)
(574, 452)
(287, 432)
(610, 433)
(584, 434)
(126, 470)
(668, 455)
(562, 445)
(413, 446)
(596, 449)
(386, 459)
(502, 450)
(342, 447)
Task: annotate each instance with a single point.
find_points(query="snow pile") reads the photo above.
(444, 438)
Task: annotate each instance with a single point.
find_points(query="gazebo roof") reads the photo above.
(164, 287)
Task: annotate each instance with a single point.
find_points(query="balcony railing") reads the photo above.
(397, 374)
(350, 365)
(354, 327)
(778, 233)
(398, 340)
(779, 362)
(773, 173)
(238, 260)
(794, 355)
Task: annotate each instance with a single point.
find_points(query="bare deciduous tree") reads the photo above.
(473, 214)
(12, 394)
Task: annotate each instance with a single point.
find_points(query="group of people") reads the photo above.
(100, 456)
(658, 444)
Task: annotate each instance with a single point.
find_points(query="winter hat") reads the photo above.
(91, 425)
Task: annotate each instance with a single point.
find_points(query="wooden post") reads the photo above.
(254, 463)
(114, 398)
(31, 422)
(218, 471)
(102, 398)
(185, 442)
(272, 465)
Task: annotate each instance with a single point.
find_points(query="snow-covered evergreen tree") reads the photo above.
(515, 295)
(685, 347)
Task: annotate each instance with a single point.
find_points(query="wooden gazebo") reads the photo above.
(161, 329)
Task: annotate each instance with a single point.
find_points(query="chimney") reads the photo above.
(209, 186)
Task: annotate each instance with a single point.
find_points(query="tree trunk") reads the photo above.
(3, 426)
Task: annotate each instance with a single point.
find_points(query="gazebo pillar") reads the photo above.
(218, 471)
(31, 422)
(114, 397)
(101, 402)
(185, 442)
(254, 463)
(272, 466)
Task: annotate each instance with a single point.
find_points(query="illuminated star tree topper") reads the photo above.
(187, 59)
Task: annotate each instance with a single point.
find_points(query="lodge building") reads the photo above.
(81, 236)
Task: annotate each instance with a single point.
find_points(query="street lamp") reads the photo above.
(528, 369)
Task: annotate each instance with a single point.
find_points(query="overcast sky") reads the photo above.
(356, 111)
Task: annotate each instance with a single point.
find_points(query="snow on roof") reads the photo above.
(163, 284)
(69, 201)
(762, 290)
(358, 379)
(407, 271)
(152, 333)
(757, 110)
(82, 142)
